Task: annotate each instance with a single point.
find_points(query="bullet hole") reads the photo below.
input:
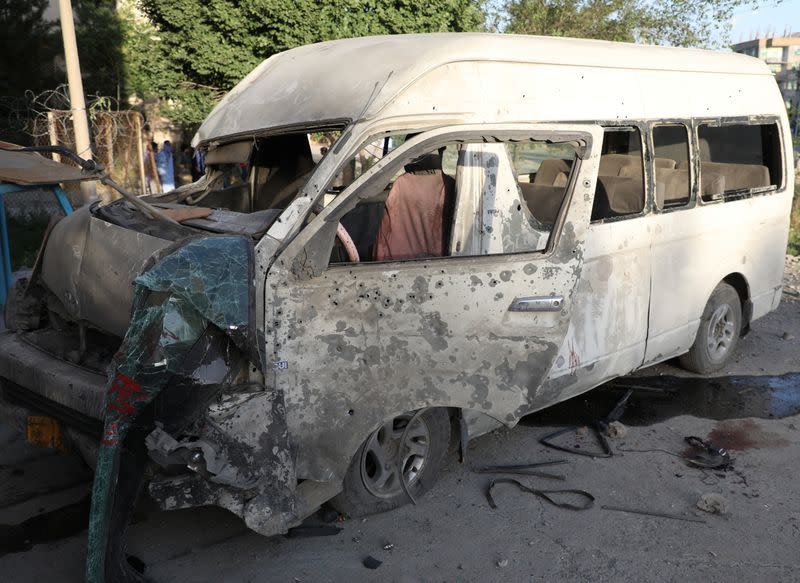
(439, 284)
(351, 412)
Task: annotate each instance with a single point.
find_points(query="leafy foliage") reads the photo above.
(671, 22)
(195, 50)
(28, 45)
(99, 32)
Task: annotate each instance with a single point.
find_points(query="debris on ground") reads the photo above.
(371, 562)
(652, 513)
(600, 428)
(713, 503)
(502, 563)
(616, 430)
(705, 454)
(548, 441)
(787, 336)
(388, 546)
(524, 469)
(558, 498)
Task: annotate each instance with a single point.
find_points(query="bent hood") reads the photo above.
(90, 265)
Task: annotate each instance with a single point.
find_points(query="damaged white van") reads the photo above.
(495, 224)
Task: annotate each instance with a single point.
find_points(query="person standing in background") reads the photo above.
(166, 167)
(150, 168)
(198, 164)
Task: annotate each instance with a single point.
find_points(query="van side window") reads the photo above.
(620, 179)
(461, 199)
(738, 159)
(671, 162)
(542, 172)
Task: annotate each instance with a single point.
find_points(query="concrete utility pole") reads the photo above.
(80, 123)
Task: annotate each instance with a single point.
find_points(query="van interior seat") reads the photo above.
(418, 212)
(616, 196)
(664, 163)
(671, 185)
(615, 164)
(736, 176)
(552, 172)
(544, 201)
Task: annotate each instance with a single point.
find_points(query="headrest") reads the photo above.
(425, 163)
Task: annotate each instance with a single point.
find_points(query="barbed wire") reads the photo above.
(46, 118)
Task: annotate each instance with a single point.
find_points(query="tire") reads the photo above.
(718, 334)
(369, 488)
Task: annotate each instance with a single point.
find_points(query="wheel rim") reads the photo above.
(384, 455)
(721, 332)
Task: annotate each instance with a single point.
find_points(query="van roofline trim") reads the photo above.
(297, 86)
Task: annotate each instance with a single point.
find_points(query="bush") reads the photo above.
(794, 225)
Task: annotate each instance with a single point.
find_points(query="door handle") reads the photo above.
(537, 304)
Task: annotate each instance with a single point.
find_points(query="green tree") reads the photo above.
(99, 32)
(29, 45)
(192, 51)
(671, 22)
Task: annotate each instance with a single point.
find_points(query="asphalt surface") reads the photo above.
(452, 534)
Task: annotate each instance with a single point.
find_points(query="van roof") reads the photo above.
(353, 79)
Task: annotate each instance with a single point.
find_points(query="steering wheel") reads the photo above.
(344, 238)
(348, 244)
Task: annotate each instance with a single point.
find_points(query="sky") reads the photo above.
(749, 24)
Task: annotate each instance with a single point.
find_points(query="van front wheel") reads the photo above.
(718, 334)
(410, 447)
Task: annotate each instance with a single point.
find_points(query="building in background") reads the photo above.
(782, 55)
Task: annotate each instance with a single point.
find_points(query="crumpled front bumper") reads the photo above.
(49, 379)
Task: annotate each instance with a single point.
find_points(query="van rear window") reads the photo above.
(738, 159)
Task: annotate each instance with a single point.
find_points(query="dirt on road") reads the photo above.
(752, 408)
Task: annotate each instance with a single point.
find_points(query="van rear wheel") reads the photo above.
(718, 335)
(393, 452)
